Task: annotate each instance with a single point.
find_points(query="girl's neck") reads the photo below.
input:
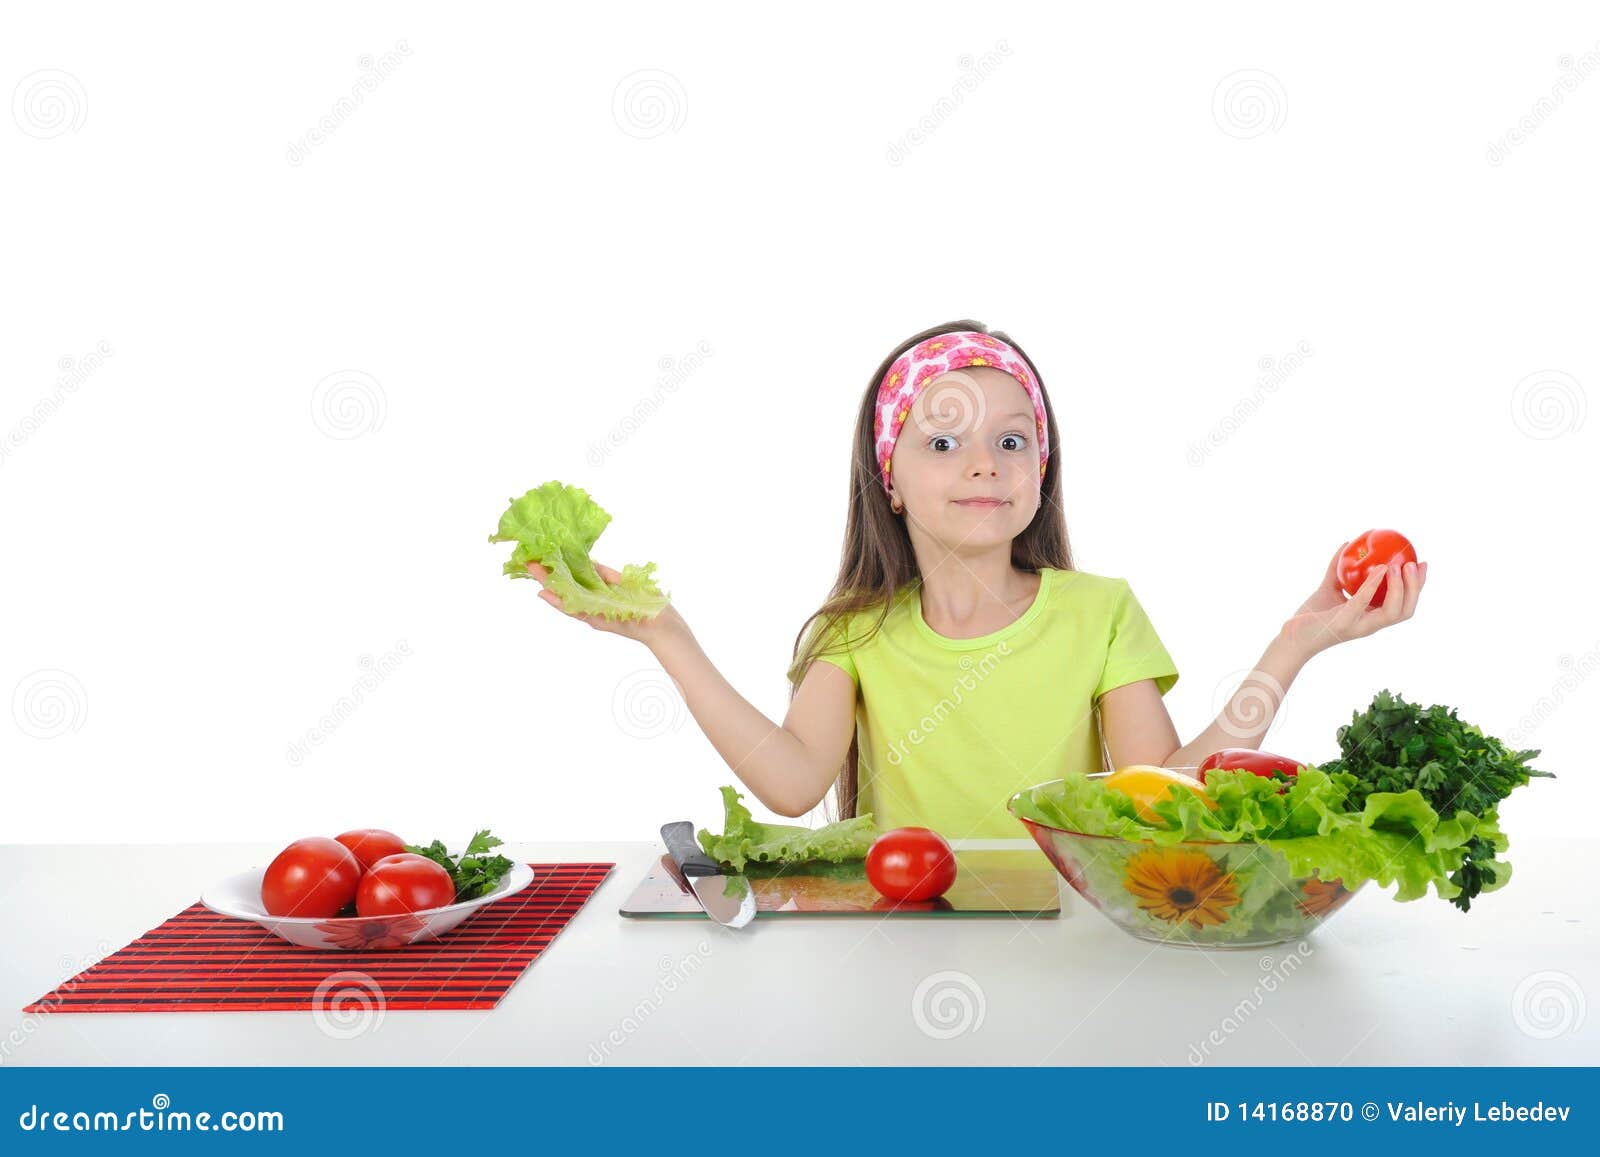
(965, 597)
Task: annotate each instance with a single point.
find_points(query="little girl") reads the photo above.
(963, 658)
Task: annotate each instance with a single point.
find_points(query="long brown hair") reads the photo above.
(877, 560)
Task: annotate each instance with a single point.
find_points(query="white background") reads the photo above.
(493, 259)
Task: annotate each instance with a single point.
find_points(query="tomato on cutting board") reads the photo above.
(402, 884)
(1146, 785)
(911, 864)
(371, 844)
(1372, 551)
(313, 877)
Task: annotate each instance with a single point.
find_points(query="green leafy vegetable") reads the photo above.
(1395, 746)
(1393, 837)
(744, 840)
(556, 526)
(475, 873)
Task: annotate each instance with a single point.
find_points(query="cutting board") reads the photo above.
(988, 883)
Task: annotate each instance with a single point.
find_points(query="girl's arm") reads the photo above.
(789, 768)
(1138, 729)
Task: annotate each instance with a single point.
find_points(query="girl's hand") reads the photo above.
(1328, 617)
(646, 631)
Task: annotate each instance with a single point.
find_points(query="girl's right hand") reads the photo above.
(647, 631)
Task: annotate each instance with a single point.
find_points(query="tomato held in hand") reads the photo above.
(313, 877)
(911, 864)
(1372, 551)
(1262, 763)
(402, 884)
(371, 844)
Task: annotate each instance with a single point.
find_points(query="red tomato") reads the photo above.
(911, 864)
(1262, 763)
(315, 876)
(402, 884)
(371, 844)
(1369, 552)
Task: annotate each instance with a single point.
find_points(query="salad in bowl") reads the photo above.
(1249, 849)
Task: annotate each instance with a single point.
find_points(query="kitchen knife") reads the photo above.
(726, 898)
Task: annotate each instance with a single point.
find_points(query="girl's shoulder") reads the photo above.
(853, 627)
(836, 635)
(1085, 584)
(1079, 587)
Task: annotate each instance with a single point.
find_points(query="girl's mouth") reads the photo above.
(982, 503)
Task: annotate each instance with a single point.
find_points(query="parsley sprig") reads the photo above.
(1397, 746)
(475, 873)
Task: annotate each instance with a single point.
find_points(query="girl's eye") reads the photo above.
(1018, 441)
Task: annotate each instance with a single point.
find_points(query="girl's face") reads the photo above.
(971, 434)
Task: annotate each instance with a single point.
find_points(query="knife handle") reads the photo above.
(686, 852)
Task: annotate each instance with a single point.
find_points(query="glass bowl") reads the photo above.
(1197, 894)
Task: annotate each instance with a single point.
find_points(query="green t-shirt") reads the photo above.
(948, 729)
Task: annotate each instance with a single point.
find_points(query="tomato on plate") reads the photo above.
(1147, 785)
(371, 844)
(911, 864)
(1372, 551)
(402, 884)
(313, 877)
(1262, 763)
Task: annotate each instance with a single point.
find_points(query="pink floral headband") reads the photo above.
(926, 361)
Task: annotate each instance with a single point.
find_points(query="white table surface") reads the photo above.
(1382, 983)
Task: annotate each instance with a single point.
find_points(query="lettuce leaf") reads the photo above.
(744, 840)
(1394, 838)
(556, 526)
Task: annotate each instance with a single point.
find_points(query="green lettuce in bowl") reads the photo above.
(1248, 861)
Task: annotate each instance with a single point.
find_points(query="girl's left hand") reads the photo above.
(1328, 617)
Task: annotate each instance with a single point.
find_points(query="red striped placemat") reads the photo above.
(200, 961)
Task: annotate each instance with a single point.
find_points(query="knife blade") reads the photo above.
(726, 897)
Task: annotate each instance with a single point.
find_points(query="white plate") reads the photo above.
(239, 895)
